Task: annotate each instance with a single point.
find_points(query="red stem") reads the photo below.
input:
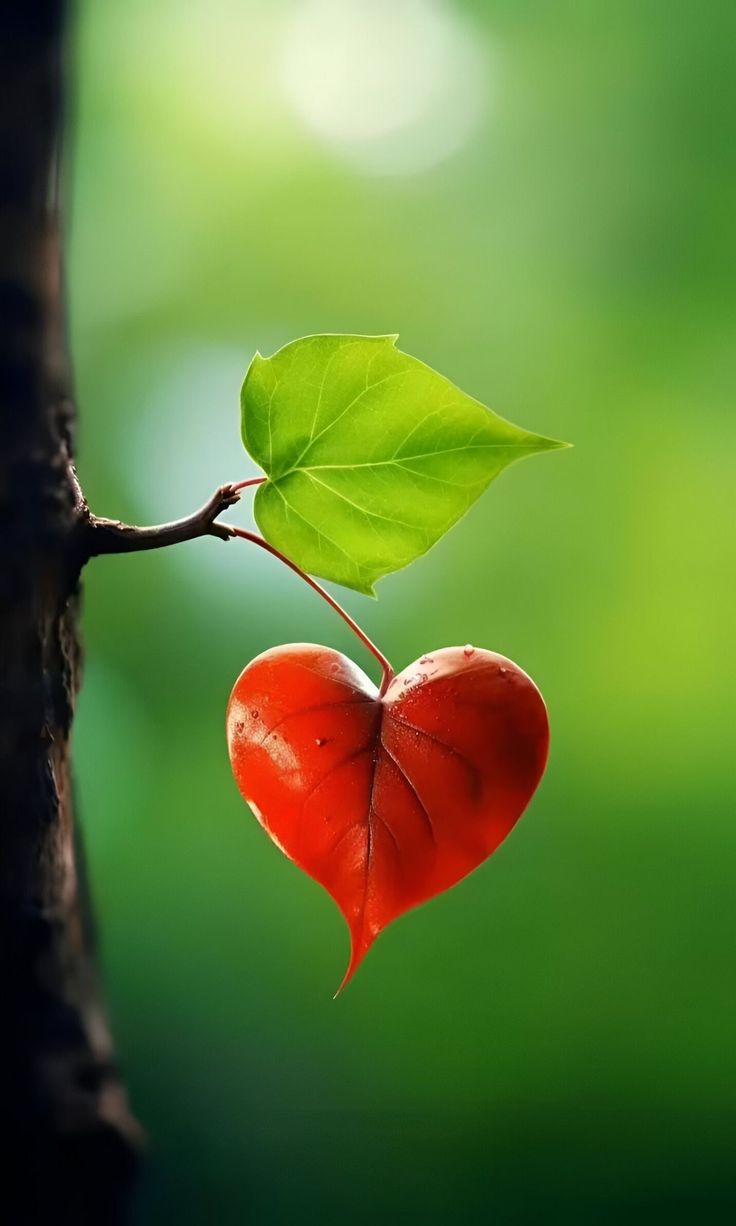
(243, 485)
(386, 669)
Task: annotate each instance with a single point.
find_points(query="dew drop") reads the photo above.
(503, 671)
(320, 741)
(468, 651)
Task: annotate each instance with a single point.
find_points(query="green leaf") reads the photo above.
(370, 455)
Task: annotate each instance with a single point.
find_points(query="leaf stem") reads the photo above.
(243, 485)
(386, 669)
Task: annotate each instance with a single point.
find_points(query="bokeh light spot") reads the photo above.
(394, 86)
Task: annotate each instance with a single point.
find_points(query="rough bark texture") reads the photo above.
(71, 1150)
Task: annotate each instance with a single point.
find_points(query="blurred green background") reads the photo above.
(540, 199)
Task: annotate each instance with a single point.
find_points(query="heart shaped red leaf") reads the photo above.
(386, 801)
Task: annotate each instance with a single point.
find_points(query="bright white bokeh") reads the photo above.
(394, 86)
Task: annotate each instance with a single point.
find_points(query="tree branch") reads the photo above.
(101, 536)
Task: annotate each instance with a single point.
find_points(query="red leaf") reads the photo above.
(386, 802)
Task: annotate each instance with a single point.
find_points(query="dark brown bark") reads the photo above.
(71, 1143)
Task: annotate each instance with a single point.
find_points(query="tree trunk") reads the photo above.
(72, 1152)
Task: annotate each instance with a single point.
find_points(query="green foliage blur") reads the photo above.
(539, 198)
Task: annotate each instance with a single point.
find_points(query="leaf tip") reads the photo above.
(252, 365)
(352, 968)
(359, 946)
(363, 586)
(552, 444)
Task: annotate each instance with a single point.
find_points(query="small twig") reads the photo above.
(101, 536)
